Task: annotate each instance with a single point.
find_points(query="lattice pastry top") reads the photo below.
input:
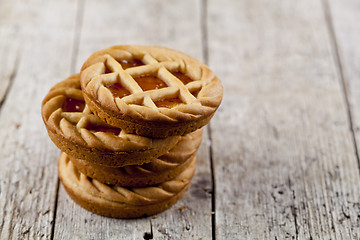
(78, 132)
(153, 91)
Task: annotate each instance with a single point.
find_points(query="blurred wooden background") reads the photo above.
(280, 159)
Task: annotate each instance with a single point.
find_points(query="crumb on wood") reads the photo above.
(182, 208)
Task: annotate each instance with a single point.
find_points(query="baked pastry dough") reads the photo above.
(121, 202)
(150, 91)
(158, 170)
(81, 134)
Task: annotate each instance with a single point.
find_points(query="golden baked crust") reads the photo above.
(121, 202)
(81, 134)
(115, 83)
(158, 170)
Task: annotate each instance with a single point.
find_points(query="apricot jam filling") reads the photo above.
(73, 105)
(117, 90)
(185, 79)
(168, 103)
(95, 128)
(149, 82)
(130, 63)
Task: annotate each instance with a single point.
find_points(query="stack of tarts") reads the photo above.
(129, 126)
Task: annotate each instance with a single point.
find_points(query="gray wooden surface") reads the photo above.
(278, 161)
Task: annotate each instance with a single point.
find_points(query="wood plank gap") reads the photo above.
(213, 186)
(77, 35)
(55, 210)
(149, 235)
(339, 67)
(205, 51)
(11, 79)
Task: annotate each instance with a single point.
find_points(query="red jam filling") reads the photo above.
(107, 70)
(95, 128)
(195, 93)
(73, 105)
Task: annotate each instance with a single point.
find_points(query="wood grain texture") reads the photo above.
(285, 162)
(190, 218)
(28, 176)
(176, 25)
(343, 17)
(9, 46)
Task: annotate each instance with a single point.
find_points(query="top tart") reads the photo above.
(78, 132)
(151, 91)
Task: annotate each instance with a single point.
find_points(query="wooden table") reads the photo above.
(280, 158)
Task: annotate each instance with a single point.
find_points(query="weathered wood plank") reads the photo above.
(190, 218)
(28, 176)
(9, 46)
(285, 162)
(8, 62)
(175, 25)
(344, 18)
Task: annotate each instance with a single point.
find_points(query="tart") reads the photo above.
(151, 91)
(78, 132)
(158, 170)
(122, 202)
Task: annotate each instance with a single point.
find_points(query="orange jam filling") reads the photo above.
(130, 63)
(117, 90)
(73, 105)
(168, 103)
(185, 79)
(149, 82)
(95, 128)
